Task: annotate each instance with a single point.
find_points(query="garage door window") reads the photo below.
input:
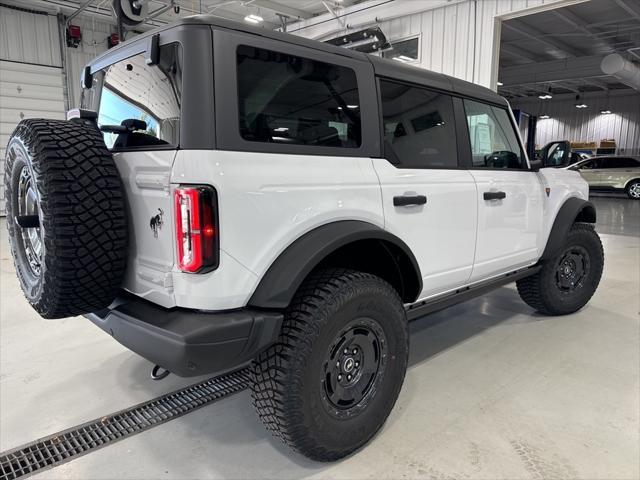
(288, 99)
(140, 104)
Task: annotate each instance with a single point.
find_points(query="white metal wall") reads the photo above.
(94, 42)
(458, 38)
(29, 38)
(26, 91)
(567, 122)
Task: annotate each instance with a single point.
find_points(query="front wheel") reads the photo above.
(568, 280)
(633, 190)
(329, 383)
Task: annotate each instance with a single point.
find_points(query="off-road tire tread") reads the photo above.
(276, 371)
(532, 290)
(84, 217)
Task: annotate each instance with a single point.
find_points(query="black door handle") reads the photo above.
(406, 200)
(494, 195)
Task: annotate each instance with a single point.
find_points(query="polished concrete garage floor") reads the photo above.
(493, 391)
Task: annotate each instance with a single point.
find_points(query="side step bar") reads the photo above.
(425, 307)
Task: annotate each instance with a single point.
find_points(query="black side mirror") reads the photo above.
(535, 165)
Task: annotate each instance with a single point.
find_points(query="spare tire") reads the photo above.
(65, 215)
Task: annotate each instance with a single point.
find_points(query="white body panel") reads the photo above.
(509, 233)
(562, 185)
(266, 202)
(145, 176)
(442, 233)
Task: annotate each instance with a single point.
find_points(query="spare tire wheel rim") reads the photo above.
(353, 368)
(28, 206)
(634, 190)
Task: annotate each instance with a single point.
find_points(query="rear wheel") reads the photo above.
(633, 190)
(65, 215)
(567, 281)
(332, 379)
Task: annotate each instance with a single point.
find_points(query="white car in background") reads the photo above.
(611, 173)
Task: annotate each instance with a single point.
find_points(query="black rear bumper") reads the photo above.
(189, 342)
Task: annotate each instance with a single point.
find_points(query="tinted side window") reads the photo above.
(619, 163)
(494, 143)
(419, 127)
(293, 100)
(145, 97)
(589, 165)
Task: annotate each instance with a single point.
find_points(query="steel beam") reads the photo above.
(282, 9)
(567, 69)
(540, 37)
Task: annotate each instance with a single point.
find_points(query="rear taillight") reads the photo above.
(196, 228)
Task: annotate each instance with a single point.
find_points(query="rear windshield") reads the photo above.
(139, 105)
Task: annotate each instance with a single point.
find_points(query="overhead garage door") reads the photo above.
(26, 91)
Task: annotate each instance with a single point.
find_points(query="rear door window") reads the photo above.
(419, 127)
(140, 104)
(619, 162)
(287, 99)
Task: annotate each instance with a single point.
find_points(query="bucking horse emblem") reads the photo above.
(156, 222)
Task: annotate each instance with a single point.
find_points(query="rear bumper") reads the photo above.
(189, 342)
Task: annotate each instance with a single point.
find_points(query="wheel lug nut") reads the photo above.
(345, 351)
(339, 377)
(337, 364)
(348, 377)
(357, 364)
(355, 350)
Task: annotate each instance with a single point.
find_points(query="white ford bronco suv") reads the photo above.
(230, 196)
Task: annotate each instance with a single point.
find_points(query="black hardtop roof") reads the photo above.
(382, 66)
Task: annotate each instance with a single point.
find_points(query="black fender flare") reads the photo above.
(285, 275)
(573, 210)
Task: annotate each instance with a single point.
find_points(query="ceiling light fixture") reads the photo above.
(253, 18)
(500, 84)
(605, 112)
(580, 104)
(544, 117)
(546, 96)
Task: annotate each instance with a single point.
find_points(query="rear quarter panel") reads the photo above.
(265, 202)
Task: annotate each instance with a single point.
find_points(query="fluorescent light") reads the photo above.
(581, 105)
(281, 129)
(404, 58)
(252, 18)
(500, 84)
(544, 117)
(352, 106)
(605, 112)
(546, 96)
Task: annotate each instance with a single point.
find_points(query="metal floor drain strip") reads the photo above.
(80, 440)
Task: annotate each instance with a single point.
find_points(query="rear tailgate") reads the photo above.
(145, 176)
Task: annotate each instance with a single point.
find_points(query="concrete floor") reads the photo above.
(493, 391)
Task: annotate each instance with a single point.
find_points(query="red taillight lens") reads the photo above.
(196, 228)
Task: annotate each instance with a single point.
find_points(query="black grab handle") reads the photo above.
(406, 200)
(494, 195)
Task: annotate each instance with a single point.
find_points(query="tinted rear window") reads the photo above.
(288, 99)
